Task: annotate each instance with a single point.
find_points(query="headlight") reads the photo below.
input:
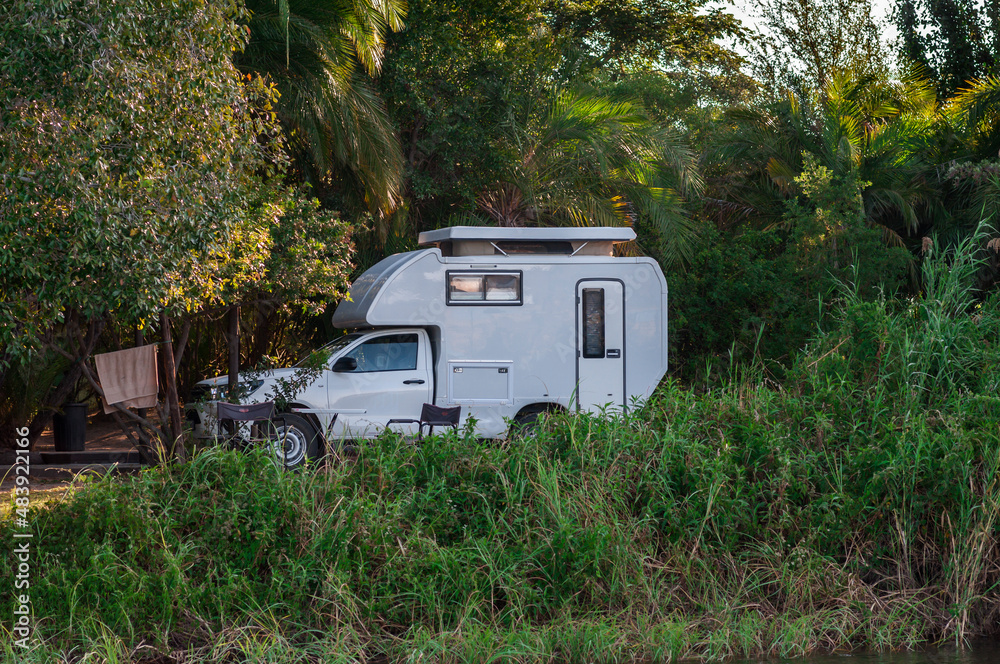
(202, 392)
(220, 392)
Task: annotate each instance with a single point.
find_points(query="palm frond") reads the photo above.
(311, 51)
(979, 102)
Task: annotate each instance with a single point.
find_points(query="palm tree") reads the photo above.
(879, 134)
(589, 160)
(316, 52)
(977, 108)
(975, 115)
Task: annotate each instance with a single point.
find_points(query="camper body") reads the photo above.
(502, 322)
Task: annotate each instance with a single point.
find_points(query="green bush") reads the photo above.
(757, 295)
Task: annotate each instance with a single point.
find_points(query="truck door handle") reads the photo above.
(414, 381)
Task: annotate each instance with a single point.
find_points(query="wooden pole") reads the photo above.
(234, 350)
(145, 449)
(173, 405)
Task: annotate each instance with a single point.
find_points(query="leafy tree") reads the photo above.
(882, 134)
(471, 85)
(759, 294)
(975, 112)
(741, 299)
(802, 44)
(810, 191)
(633, 35)
(956, 41)
(136, 163)
(589, 160)
(834, 242)
(452, 80)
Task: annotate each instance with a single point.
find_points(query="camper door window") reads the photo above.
(593, 322)
(484, 287)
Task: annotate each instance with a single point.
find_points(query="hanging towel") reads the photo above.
(128, 377)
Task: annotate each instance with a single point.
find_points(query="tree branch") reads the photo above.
(182, 342)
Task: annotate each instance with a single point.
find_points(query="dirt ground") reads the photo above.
(102, 435)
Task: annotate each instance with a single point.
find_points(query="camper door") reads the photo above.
(600, 351)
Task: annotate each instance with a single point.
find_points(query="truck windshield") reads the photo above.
(330, 349)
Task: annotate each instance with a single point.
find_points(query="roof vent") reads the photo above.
(492, 241)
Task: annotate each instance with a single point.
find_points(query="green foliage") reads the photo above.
(803, 44)
(140, 172)
(477, 122)
(593, 160)
(741, 298)
(631, 35)
(953, 40)
(762, 294)
(927, 350)
(130, 151)
(451, 99)
(691, 103)
(852, 508)
(832, 237)
(861, 129)
(26, 386)
(308, 260)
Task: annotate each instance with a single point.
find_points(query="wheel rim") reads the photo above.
(289, 447)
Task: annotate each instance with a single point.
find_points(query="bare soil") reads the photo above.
(103, 435)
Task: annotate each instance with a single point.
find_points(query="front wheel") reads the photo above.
(294, 440)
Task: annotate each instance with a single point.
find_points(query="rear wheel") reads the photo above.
(294, 440)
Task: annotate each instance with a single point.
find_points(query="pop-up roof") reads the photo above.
(491, 240)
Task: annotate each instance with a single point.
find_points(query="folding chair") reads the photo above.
(433, 416)
(254, 413)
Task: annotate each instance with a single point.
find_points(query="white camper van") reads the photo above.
(504, 322)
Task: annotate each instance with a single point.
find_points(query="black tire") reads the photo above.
(294, 440)
(526, 425)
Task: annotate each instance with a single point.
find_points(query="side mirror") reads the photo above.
(344, 364)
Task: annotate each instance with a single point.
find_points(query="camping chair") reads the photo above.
(259, 415)
(433, 416)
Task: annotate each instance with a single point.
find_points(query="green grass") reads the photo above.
(713, 525)
(853, 506)
(43, 492)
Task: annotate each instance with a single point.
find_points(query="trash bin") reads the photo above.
(69, 428)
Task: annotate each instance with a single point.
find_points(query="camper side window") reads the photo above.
(484, 287)
(593, 322)
(393, 352)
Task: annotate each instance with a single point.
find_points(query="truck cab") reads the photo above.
(365, 379)
(380, 375)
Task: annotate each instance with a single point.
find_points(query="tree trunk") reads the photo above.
(234, 350)
(82, 346)
(140, 339)
(170, 387)
(261, 334)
